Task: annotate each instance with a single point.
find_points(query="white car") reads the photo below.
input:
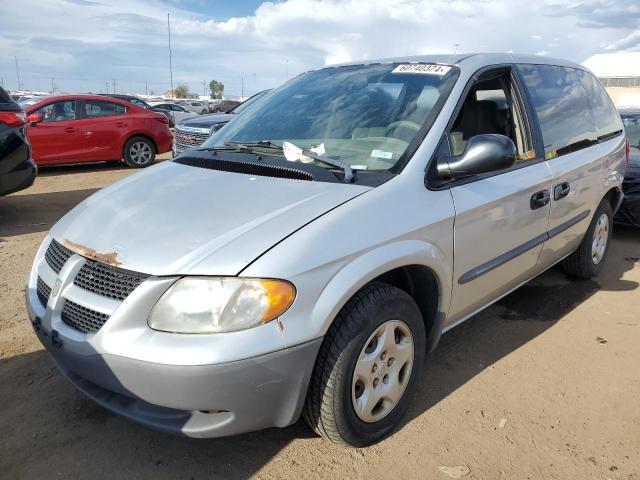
(195, 106)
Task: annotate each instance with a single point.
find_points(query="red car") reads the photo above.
(92, 128)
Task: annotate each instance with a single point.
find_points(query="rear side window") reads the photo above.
(562, 107)
(7, 103)
(98, 108)
(608, 123)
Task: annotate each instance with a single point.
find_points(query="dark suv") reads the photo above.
(17, 168)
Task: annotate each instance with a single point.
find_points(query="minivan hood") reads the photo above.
(178, 219)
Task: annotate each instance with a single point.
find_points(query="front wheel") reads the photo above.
(367, 368)
(139, 152)
(588, 259)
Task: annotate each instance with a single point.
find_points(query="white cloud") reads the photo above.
(84, 44)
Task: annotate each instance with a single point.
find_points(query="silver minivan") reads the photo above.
(307, 258)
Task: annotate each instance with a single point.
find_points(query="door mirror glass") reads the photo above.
(482, 154)
(34, 118)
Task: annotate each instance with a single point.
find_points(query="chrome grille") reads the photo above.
(81, 318)
(190, 138)
(108, 281)
(44, 291)
(57, 256)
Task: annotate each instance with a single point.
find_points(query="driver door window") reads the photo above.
(491, 108)
(58, 111)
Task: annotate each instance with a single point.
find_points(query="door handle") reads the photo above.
(71, 130)
(539, 199)
(561, 190)
(121, 124)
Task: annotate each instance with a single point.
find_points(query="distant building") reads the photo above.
(620, 75)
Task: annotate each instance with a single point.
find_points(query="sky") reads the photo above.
(87, 45)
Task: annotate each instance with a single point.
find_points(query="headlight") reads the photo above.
(216, 305)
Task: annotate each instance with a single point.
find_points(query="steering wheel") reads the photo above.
(401, 124)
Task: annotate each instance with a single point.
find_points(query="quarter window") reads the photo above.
(58, 111)
(97, 108)
(562, 108)
(608, 123)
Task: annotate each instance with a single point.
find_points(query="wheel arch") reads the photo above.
(418, 268)
(615, 197)
(138, 134)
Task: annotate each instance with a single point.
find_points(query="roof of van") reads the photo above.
(462, 58)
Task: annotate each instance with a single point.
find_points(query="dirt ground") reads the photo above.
(543, 385)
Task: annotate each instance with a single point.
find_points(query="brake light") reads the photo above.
(627, 150)
(13, 119)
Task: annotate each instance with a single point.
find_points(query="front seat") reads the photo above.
(478, 117)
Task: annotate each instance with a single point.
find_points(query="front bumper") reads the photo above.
(629, 212)
(205, 385)
(195, 401)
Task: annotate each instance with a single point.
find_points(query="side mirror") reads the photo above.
(482, 154)
(34, 118)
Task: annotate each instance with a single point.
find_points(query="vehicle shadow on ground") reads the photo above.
(24, 213)
(43, 413)
(518, 318)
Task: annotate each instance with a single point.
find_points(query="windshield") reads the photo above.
(632, 129)
(364, 116)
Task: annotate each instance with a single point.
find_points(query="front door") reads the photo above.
(57, 138)
(501, 217)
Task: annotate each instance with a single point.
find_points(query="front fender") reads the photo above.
(323, 291)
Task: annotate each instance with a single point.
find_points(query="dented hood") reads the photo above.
(177, 219)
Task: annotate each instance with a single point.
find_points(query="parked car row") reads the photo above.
(192, 132)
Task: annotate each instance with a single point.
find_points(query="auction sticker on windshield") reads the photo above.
(423, 68)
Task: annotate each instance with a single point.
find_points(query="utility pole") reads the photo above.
(53, 85)
(146, 93)
(107, 85)
(242, 88)
(204, 88)
(170, 66)
(18, 73)
(456, 45)
(114, 86)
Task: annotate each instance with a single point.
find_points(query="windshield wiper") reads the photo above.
(346, 168)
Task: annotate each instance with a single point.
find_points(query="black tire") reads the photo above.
(329, 409)
(581, 263)
(142, 160)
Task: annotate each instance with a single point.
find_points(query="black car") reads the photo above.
(140, 103)
(191, 133)
(17, 168)
(629, 213)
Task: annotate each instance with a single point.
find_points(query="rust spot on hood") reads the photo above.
(110, 258)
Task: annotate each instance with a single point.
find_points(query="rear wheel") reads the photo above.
(139, 152)
(588, 259)
(367, 368)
